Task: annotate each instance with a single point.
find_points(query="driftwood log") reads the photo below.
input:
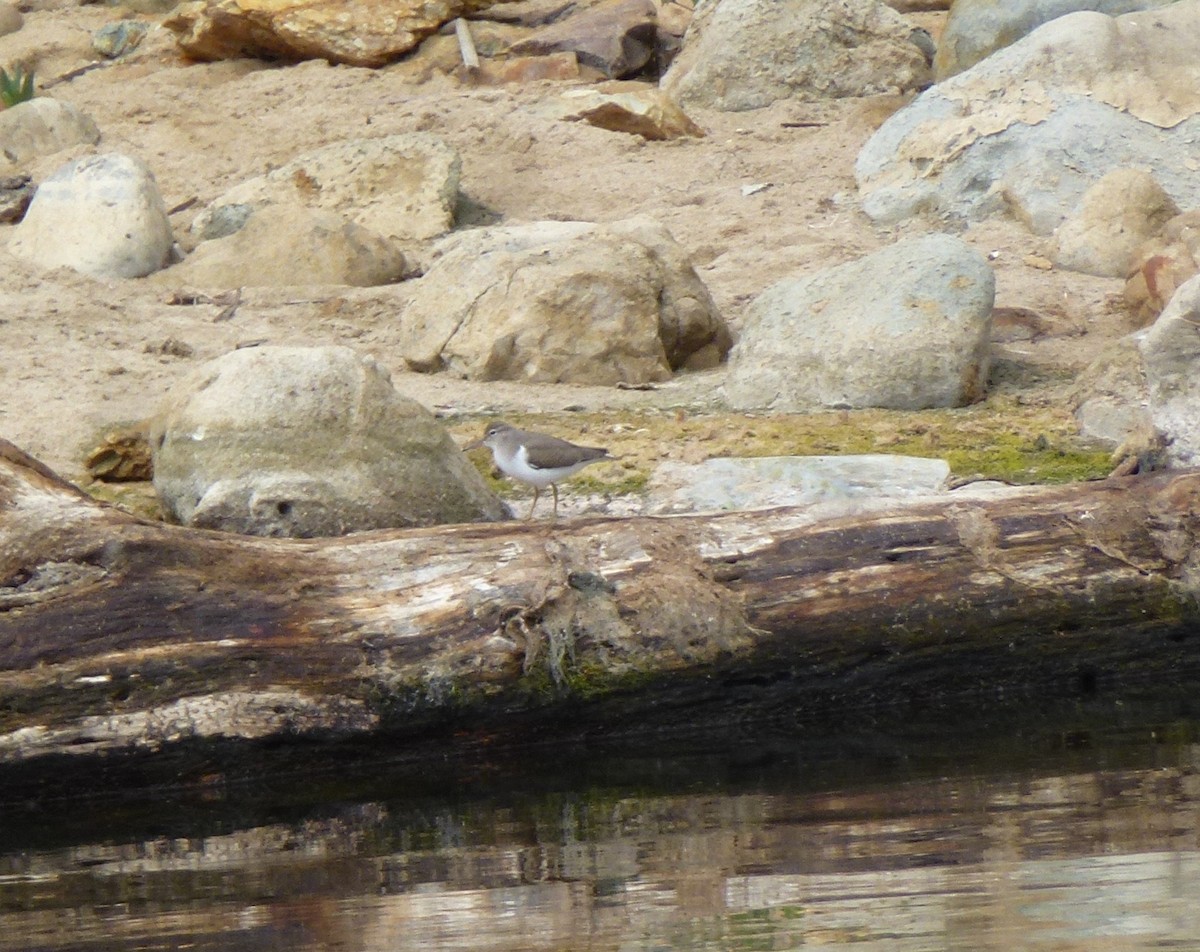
(122, 637)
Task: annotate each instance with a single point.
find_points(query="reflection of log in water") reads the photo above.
(962, 862)
(122, 636)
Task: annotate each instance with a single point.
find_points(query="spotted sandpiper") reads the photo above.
(536, 458)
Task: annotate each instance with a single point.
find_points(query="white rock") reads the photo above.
(905, 328)
(308, 441)
(1171, 350)
(101, 215)
(766, 482)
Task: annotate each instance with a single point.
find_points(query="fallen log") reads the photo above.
(123, 636)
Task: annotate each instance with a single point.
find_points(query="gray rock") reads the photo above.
(308, 441)
(746, 54)
(766, 482)
(1116, 215)
(977, 28)
(402, 186)
(1030, 128)
(288, 245)
(558, 302)
(905, 328)
(101, 215)
(41, 127)
(1170, 348)
(117, 39)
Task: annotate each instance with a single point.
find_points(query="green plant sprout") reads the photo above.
(15, 88)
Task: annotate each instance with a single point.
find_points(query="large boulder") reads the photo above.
(102, 216)
(355, 32)
(1029, 129)
(746, 54)
(977, 28)
(1170, 348)
(39, 127)
(288, 245)
(905, 328)
(559, 302)
(401, 186)
(308, 441)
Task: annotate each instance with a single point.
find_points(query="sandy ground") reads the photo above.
(81, 355)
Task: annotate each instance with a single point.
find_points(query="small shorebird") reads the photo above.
(536, 458)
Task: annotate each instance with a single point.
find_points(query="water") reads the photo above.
(1084, 840)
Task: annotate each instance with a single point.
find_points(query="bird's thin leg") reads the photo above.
(536, 491)
(554, 486)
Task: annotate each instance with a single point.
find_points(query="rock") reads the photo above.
(1117, 214)
(123, 455)
(1029, 129)
(290, 244)
(624, 106)
(977, 28)
(616, 37)
(918, 6)
(528, 13)
(1110, 395)
(1162, 264)
(906, 328)
(16, 192)
(529, 69)
(766, 482)
(558, 302)
(101, 215)
(1170, 348)
(117, 39)
(746, 54)
(40, 127)
(11, 19)
(402, 186)
(308, 441)
(357, 32)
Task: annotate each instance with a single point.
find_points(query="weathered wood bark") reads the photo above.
(120, 635)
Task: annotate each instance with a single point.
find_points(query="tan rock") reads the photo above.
(355, 32)
(41, 127)
(10, 19)
(403, 186)
(746, 54)
(282, 245)
(1117, 214)
(1162, 265)
(562, 302)
(628, 106)
(528, 69)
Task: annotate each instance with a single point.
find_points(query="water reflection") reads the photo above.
(1096, 859)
